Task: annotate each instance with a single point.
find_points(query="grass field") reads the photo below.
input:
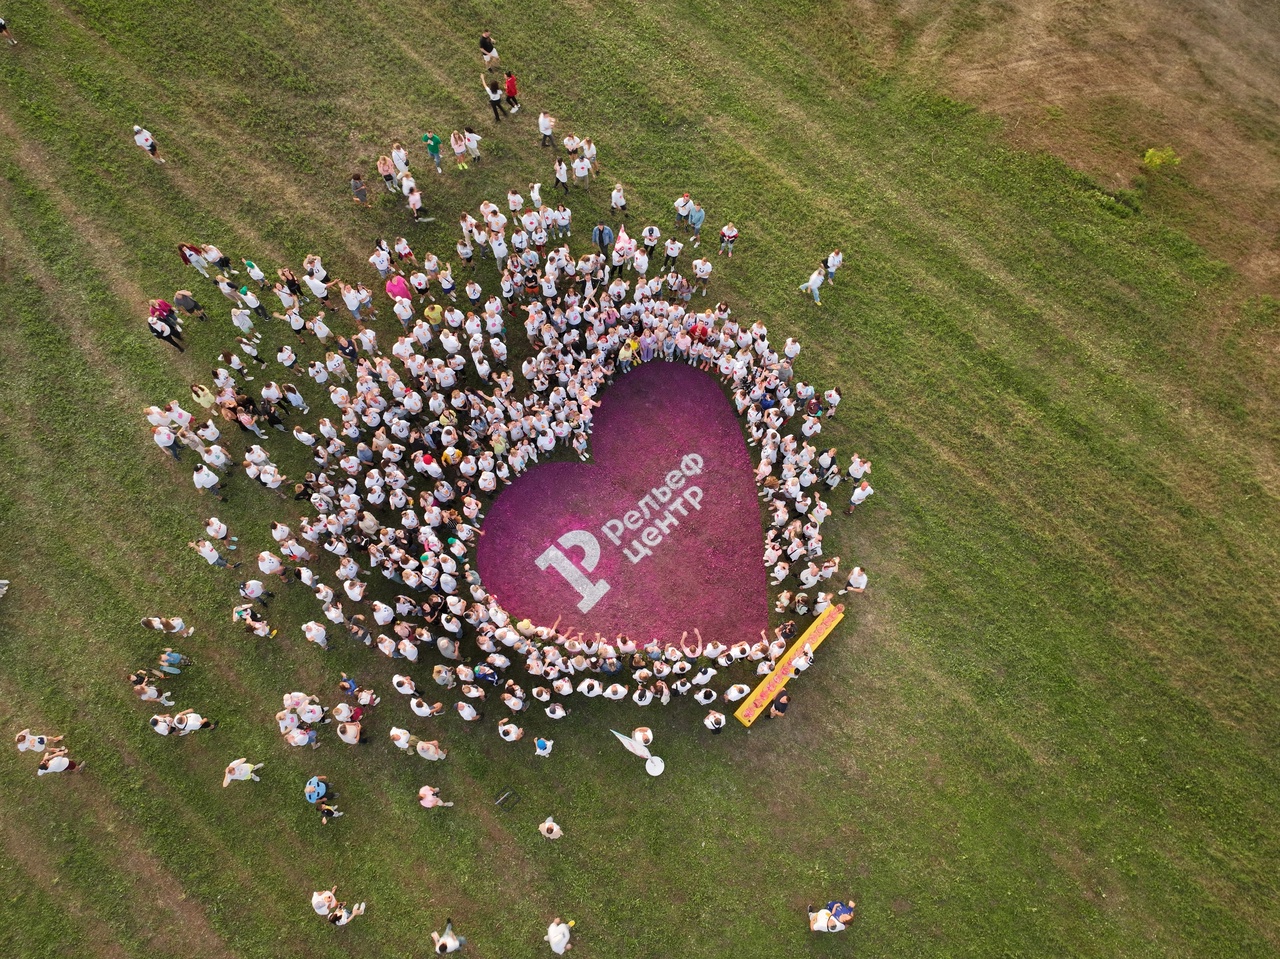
(1049, 728)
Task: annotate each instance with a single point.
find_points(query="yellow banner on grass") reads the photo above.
(771, 685)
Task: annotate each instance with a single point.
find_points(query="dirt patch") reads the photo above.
(1098, 83)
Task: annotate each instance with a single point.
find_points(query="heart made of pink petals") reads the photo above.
(672, 481)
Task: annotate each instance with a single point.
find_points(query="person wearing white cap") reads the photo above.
(145, 140)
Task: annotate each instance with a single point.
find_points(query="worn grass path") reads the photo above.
(1048, 729)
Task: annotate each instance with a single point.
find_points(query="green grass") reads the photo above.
(1048, 730)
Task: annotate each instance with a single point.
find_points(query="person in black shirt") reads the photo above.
(488, 51)
(778, 708)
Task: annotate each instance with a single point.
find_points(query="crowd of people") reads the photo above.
(433, 404)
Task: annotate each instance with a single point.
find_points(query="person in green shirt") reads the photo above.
(433, 147)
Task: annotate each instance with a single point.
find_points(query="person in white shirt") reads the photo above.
(34, 742)
(550, 829)
(205, 479)
(835, 259)
(145, 140)
(447, 941)
(673, 248)
(509, 731)
(165, 438)
(239, 770)
(209, 553)
(702, 274)
(547, 127)
(324, 901)
(683, 205)
(857, 581)
(558, 936)
(859, 496)
(814, 283)
(582, 173)
(57, 761)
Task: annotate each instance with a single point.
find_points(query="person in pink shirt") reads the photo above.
(398, 287)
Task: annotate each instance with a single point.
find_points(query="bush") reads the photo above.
(1156, 158)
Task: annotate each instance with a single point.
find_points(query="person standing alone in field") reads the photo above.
(145, 140)
(6, 32)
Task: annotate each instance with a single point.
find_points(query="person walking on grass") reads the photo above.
(835, 259)
(239, 770)
(494, 91)
(550, 829)
(511, 91)
(6, 32)
(27, 741)
(557, 936)
(582, 173)
(145, 140)
(547, 127)
(209, 553)
(488, 51)
(447, 941)
(814, 283)
(57, 761)
(728, 236)
(343, 914)
(168, 624)
(602, 237)
(459, 144)
(697, 216)
(387, 170)
(359, 192)
(682, 206)
(163, 331)
(432, 142)
(472, 140)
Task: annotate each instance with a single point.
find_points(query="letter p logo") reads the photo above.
(591, 592)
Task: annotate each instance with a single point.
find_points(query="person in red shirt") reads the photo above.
(511, 92)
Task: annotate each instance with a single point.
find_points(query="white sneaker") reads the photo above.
(516, 108)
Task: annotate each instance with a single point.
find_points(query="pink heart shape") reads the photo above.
(705, 571)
